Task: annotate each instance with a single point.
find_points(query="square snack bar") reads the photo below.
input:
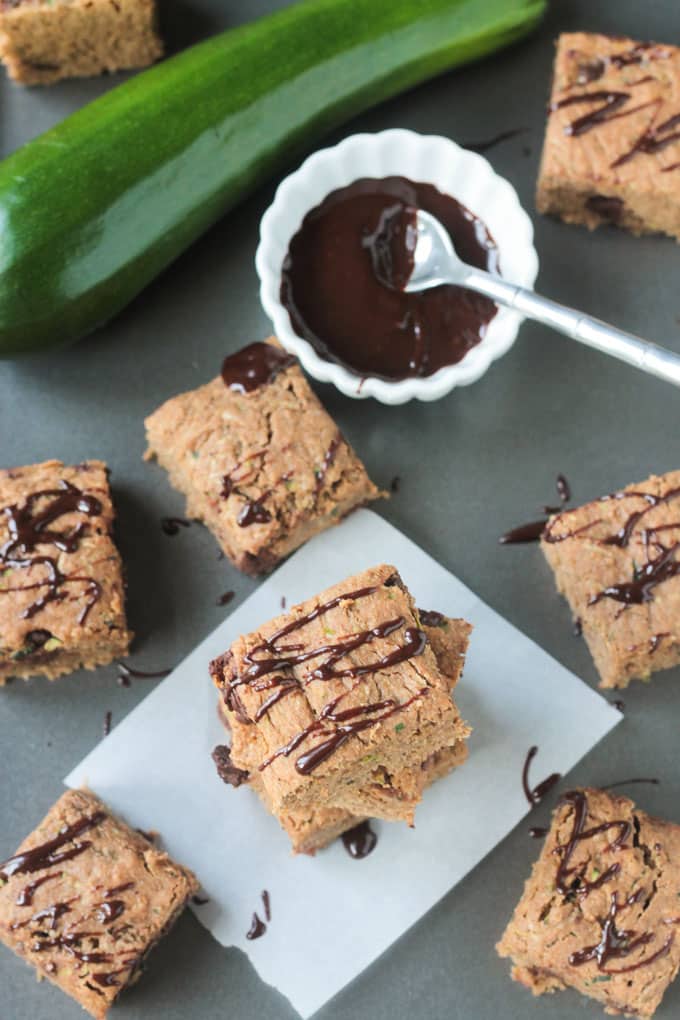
(617, 562)
(314, 828)
(62, 598)
(600, 912)
(327, 700)
(42, 41)
(260, 461)
(612, 144)
(85, 899)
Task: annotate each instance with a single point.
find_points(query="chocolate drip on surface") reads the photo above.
(620, 705)
(538, 832)
(107, 723)
(628, 782)
(226, 598)
(578, 627)
(431, 618)
(491, 143)
(257, 928)
(266, 904)
(256, 365)
(140, 674)
(360, 841)
(200, 901)
(535, 794)
(171, 525)
(30, 528)
(46, 854)
(228, 772)
(533, 531)
(362, 236)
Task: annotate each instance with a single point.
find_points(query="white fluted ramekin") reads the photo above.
(432, 159)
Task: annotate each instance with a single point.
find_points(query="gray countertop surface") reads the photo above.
(471, 465)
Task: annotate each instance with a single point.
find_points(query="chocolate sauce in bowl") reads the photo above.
(342, 278)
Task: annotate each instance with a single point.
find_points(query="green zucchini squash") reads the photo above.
(94, 209)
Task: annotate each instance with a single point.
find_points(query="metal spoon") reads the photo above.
(435, 262)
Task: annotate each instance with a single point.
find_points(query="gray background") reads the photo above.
(471, 465)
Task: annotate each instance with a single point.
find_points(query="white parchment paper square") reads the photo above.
(155, 769)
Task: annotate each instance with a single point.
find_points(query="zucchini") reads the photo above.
(94, 209)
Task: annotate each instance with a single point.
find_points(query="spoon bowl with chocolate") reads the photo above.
(334, 252)
(413, 252)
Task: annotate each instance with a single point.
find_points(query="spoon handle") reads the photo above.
(587, 330)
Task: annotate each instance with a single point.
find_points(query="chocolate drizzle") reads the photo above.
(572, 881)
(611, 104)
(616, 943)
(30, 527)
(256, 365)
(46, 854)
(334, 724)
(25, 897)
(126, 672)
(360, 841)
(662, 563)
(535, 794)
(533, 531)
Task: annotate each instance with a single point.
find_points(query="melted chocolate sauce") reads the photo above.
(266, 904)
(538, 832)
(107, 723)
(46, 854)
(226, 598)
(171, 525)
(200, 901)
(355, 242)
(360, 841)
(30, 527)
(621, 705)
(257, 928)
(535, 794)
(254, 366)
